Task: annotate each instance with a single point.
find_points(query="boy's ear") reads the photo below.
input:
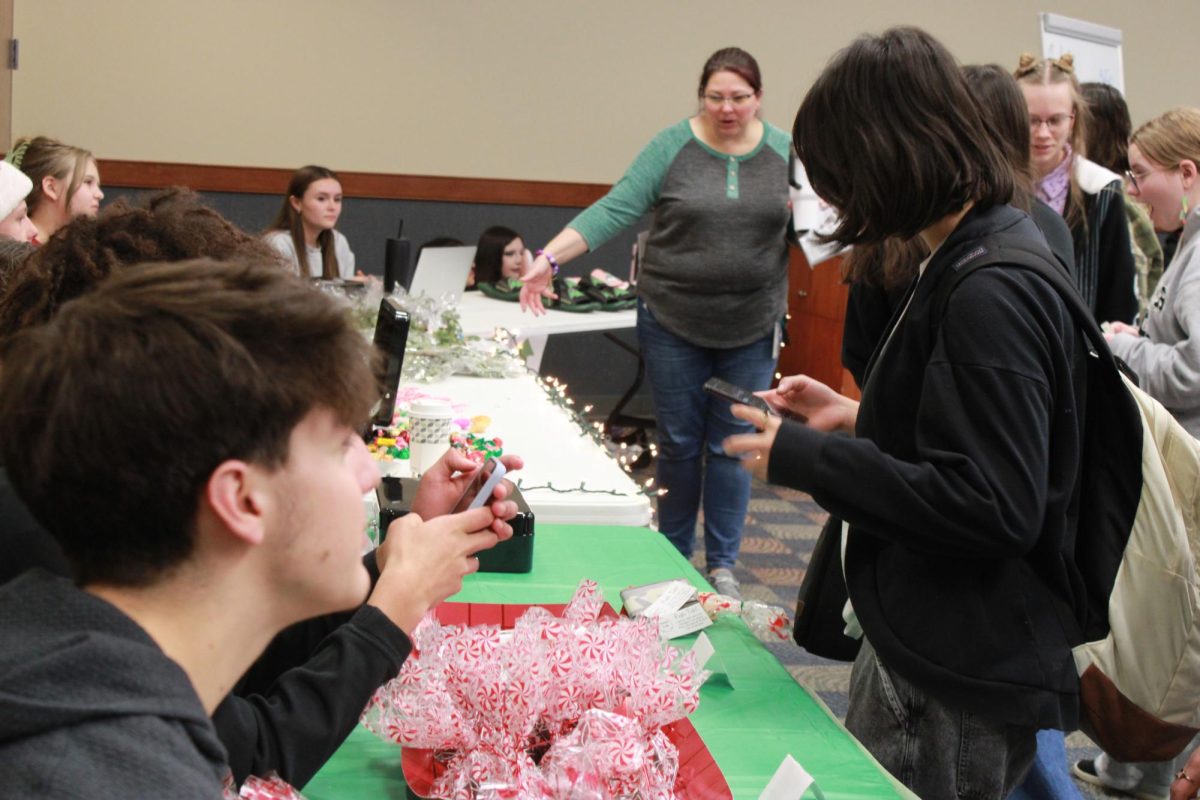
(237, 496)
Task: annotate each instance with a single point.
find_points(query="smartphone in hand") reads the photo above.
(736, 394)
(483, 484)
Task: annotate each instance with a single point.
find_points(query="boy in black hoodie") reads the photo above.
(187, 432)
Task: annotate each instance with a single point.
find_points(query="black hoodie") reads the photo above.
(91, 707)
(960, 488)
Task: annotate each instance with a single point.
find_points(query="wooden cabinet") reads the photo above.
(817, 312)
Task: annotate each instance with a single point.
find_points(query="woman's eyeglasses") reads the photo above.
(1055, 123)
(735, 100)
(1135, 178)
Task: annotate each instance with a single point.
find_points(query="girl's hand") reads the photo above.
(754, 449)
(810, 400)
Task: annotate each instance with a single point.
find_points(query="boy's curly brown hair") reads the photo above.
(167, 225)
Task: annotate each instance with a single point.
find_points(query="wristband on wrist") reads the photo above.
(553, 263)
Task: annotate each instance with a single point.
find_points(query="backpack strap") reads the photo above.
(1014, 250)
(1111, 440)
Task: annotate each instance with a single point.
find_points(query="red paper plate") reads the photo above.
(699, 776)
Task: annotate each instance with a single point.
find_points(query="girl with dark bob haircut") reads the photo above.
(892, 160)
(958, 558)
(500, 254)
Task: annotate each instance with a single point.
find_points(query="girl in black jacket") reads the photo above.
(958, 482)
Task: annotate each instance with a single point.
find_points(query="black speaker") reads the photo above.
(397, 264)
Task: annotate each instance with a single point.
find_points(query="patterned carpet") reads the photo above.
(781, 529)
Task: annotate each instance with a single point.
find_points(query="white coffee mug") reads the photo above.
(430, 422)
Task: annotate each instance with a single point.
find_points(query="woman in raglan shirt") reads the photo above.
(712, 290)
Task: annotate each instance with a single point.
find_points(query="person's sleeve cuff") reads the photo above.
(794, 456)
(375, 626)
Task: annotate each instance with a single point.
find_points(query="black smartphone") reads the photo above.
(482, 486)
(391, 337)
(736, 394)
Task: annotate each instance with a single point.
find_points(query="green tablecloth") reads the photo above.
(752, 713)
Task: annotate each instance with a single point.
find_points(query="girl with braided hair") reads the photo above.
(1088, 196)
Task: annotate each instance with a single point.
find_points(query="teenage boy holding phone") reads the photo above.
(188, 434)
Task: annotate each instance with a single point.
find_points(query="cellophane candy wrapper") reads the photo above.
(271, 787)
(768, 623)
(437, 347)
(560, 707)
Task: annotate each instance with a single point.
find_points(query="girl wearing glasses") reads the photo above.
(1164, 159)
(712, 290)
(1087, 195)
(1164, 174)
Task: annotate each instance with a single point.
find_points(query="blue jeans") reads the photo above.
(1049, 778)
(692, 467)
(937, 750)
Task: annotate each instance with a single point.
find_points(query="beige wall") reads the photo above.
(529, 89)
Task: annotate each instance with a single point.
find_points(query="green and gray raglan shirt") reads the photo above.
(715, 268)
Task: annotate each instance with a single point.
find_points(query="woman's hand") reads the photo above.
(754, 449)
(820, 407)
(1188, 780)
(1111, 329)
(535, 279)
(444, 482)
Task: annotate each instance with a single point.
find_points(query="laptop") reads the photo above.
(442, 271)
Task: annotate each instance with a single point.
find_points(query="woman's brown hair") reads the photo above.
(735, 60)
(1109, 127)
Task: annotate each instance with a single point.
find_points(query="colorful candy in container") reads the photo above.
(560, 707)
(477, 448)
(391, 443)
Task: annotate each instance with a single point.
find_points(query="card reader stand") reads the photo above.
(513, 555)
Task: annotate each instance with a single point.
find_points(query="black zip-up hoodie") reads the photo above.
(91, 707)
(959, 488)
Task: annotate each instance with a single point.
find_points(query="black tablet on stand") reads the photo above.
(391, 336)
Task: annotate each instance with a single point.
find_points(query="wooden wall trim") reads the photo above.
(265, 180)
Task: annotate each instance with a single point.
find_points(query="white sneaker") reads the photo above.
(1095, 772)
(723, 581)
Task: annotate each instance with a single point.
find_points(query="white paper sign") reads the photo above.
(703, 648)
(683, 621)
(790, 782)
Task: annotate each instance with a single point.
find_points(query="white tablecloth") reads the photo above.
(481, 315)
(556, 452)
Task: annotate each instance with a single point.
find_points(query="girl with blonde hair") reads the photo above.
(1088, 196)
(66, 182)
(1164, 174)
